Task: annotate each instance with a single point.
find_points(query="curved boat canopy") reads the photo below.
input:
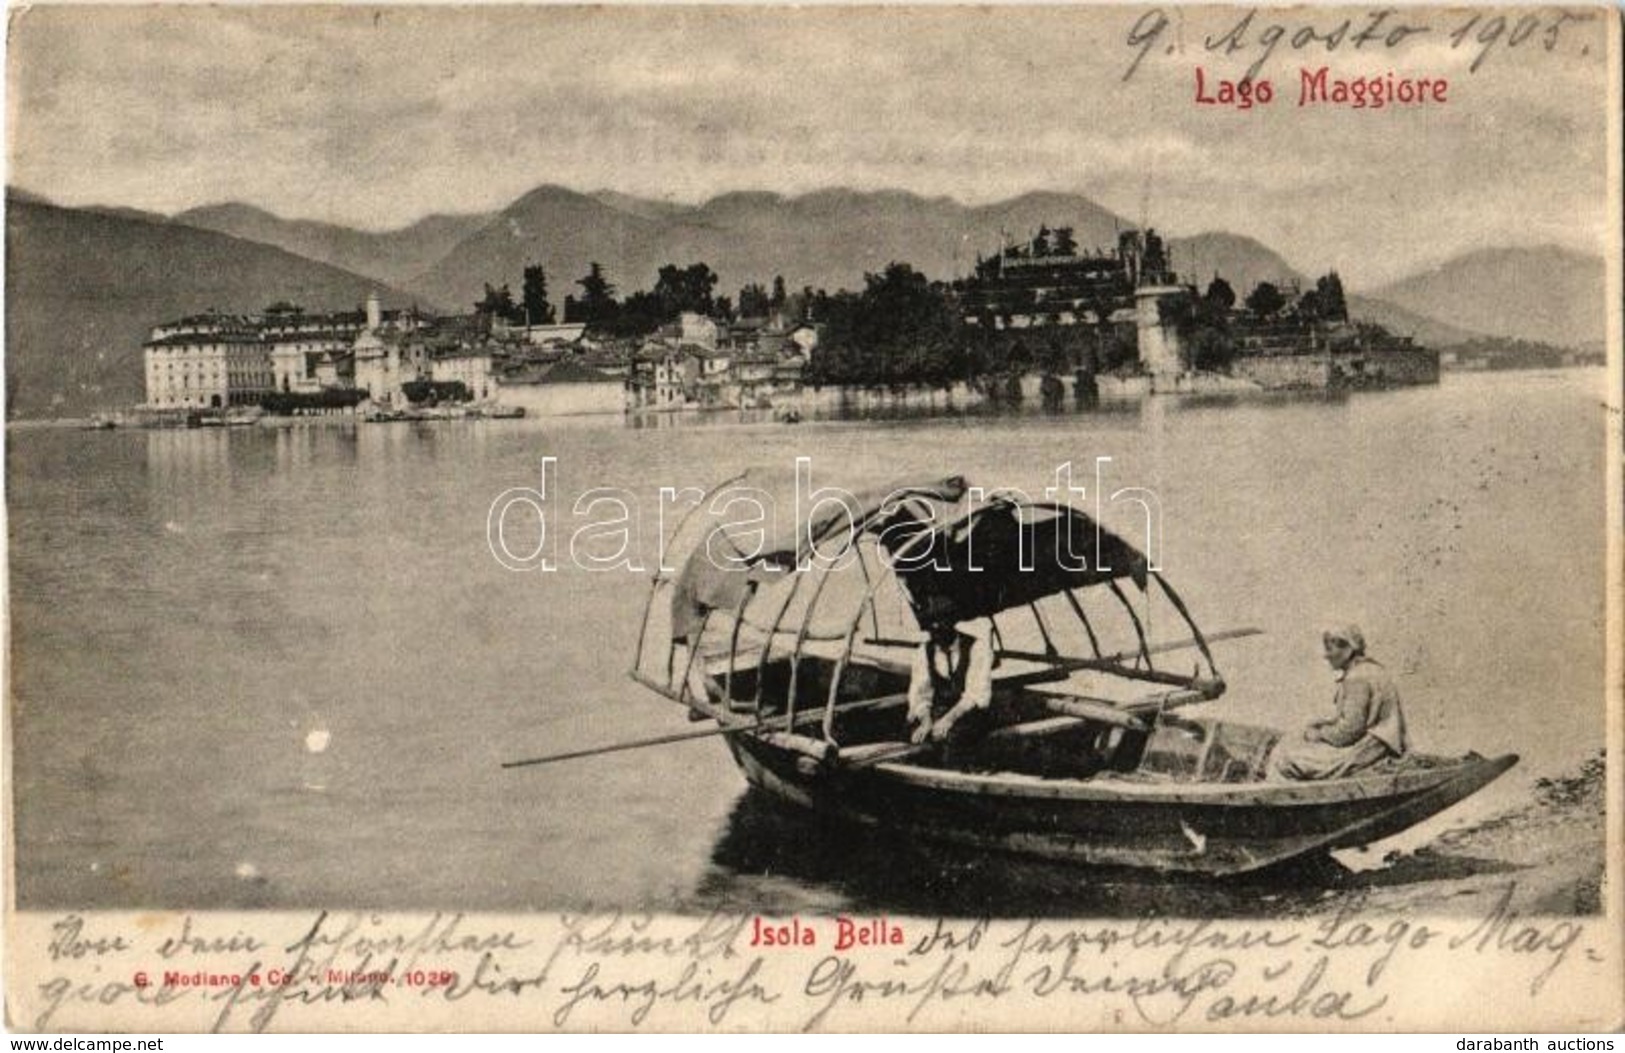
(1006, 555)
(820, 593)
(735, 551)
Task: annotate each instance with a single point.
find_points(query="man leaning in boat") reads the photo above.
(951, 686)
(1369, 726)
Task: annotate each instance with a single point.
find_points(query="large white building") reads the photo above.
(213, 362)
(471, 367)
(216, 361)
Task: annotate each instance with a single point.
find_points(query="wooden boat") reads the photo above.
(797, 647)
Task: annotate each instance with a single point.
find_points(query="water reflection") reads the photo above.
(315, 446)
(775, 858)
(864, 406)
(178, 457)
(1256, 399)
(880, 411)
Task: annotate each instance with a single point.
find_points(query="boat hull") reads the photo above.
(1206, 828)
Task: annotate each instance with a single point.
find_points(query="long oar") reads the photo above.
(814, 716)
(635, 744)
(781, 724)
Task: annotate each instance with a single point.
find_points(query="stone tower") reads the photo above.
(1162, 350)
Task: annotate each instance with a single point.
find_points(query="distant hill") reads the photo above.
(648, 208)
(1240, 260)
(121, 212)
(1429, 332)
(826, 239)
(84, 288)
(390, 256)
(831, 238)
(1093, 226)
(1546, 294)
(561, 229)
(1244, 262)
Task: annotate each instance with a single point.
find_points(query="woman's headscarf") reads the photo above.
(1349, 634)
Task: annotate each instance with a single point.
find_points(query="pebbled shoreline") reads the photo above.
(1552, 850)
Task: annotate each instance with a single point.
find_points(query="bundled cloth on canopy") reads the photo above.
(731, 556)
(1006, 555)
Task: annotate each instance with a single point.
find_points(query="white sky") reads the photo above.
(374, 118)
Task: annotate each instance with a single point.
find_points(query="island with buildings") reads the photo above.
(389, 364)
(1123, 320)
(1030, 320)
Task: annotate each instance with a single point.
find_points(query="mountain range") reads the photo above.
(394, 256)
(84, 285)
(84, 288)
(828, 239)
(1545, 294)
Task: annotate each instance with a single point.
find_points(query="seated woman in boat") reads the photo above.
(1369, 726)
(951, 686)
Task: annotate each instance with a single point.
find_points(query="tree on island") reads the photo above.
(907, 323)
(753, 301)
(902, 329)
(498, 303)
(1220, 297)
(839, 360)
(537, 310)
(1265, 300)
(677, 289)
(638, 315)
(802, 306)
(680, 289)
(778, 299)
(597, 306)
(1334, 306)
(1325, 302)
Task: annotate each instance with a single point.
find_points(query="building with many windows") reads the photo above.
(217, 362)
(696, 364)
(1048, 282)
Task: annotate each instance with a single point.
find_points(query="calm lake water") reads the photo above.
(280, 668)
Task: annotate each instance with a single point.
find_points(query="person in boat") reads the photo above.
(1369, 727)
(951, 686)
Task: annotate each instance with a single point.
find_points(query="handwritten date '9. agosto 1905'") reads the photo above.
(1257, 38)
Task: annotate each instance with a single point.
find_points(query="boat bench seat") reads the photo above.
(872, 752)
(1103, 711)
(1029, 729)
(897, 750)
